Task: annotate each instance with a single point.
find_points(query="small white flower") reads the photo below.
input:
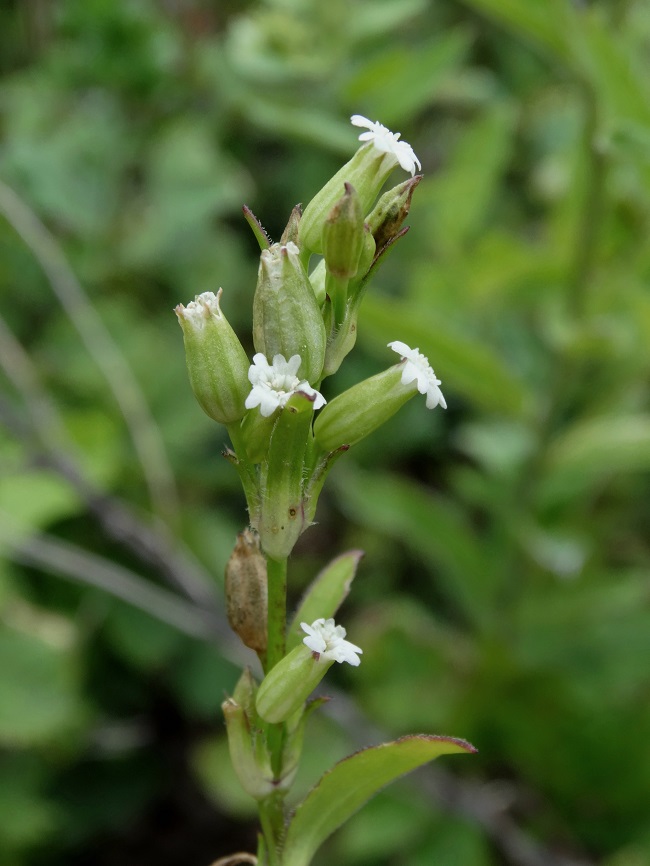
(274, 384)
(387, 142)
(328, 640)
(417, 368)
(198, 311)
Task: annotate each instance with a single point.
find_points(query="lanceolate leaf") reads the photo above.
(351, 783)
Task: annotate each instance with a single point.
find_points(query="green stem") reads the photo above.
(271, 809)
(272, 823)
(277, 613)
(244, 467)
(276, 646)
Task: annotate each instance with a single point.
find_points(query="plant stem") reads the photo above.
(269, 821)
(277, 613)
(276, 645)
(244, 467)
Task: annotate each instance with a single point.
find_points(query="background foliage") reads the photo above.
(504, 595)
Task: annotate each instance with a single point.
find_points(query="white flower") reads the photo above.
(274, 384)
(328, 640)
(387, 142)
(417, 368)
(198, 311)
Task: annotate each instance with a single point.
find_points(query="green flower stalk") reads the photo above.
(216, 361)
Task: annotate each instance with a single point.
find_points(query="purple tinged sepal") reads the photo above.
(258, 229)
(216, 361)
(391, 210)
(286, 316)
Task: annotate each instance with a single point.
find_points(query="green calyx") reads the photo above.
(360, 410)
(366, 172)
(286, 316)
(216, 361)
(281, 518)
(288, 685)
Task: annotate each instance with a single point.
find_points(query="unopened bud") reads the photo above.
(216, 361)
(343, 235)
(366, 172)
(246, 591)
(391, 210)
(245, 741)
(286, 316)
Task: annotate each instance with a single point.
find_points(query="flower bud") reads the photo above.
(391, 210)
(343, 235)
(360, 410)
(366, 172)
(286, 316)
(216, 361)
(246, 591)
(245, 743)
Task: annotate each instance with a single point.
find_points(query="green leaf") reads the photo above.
(461, 361)
(403, 81)
(38, 693)
(457, 200)
(545, 24)
(35, 499)
(372, 19)
(432, 527)
(326, 593)
(598, 448)
(351, 783)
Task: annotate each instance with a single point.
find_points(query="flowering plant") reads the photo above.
(285, 438)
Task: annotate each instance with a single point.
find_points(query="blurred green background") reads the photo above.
(505, 592)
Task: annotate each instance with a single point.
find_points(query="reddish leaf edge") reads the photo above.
(464, 745)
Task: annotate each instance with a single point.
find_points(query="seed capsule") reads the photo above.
(246, 591)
